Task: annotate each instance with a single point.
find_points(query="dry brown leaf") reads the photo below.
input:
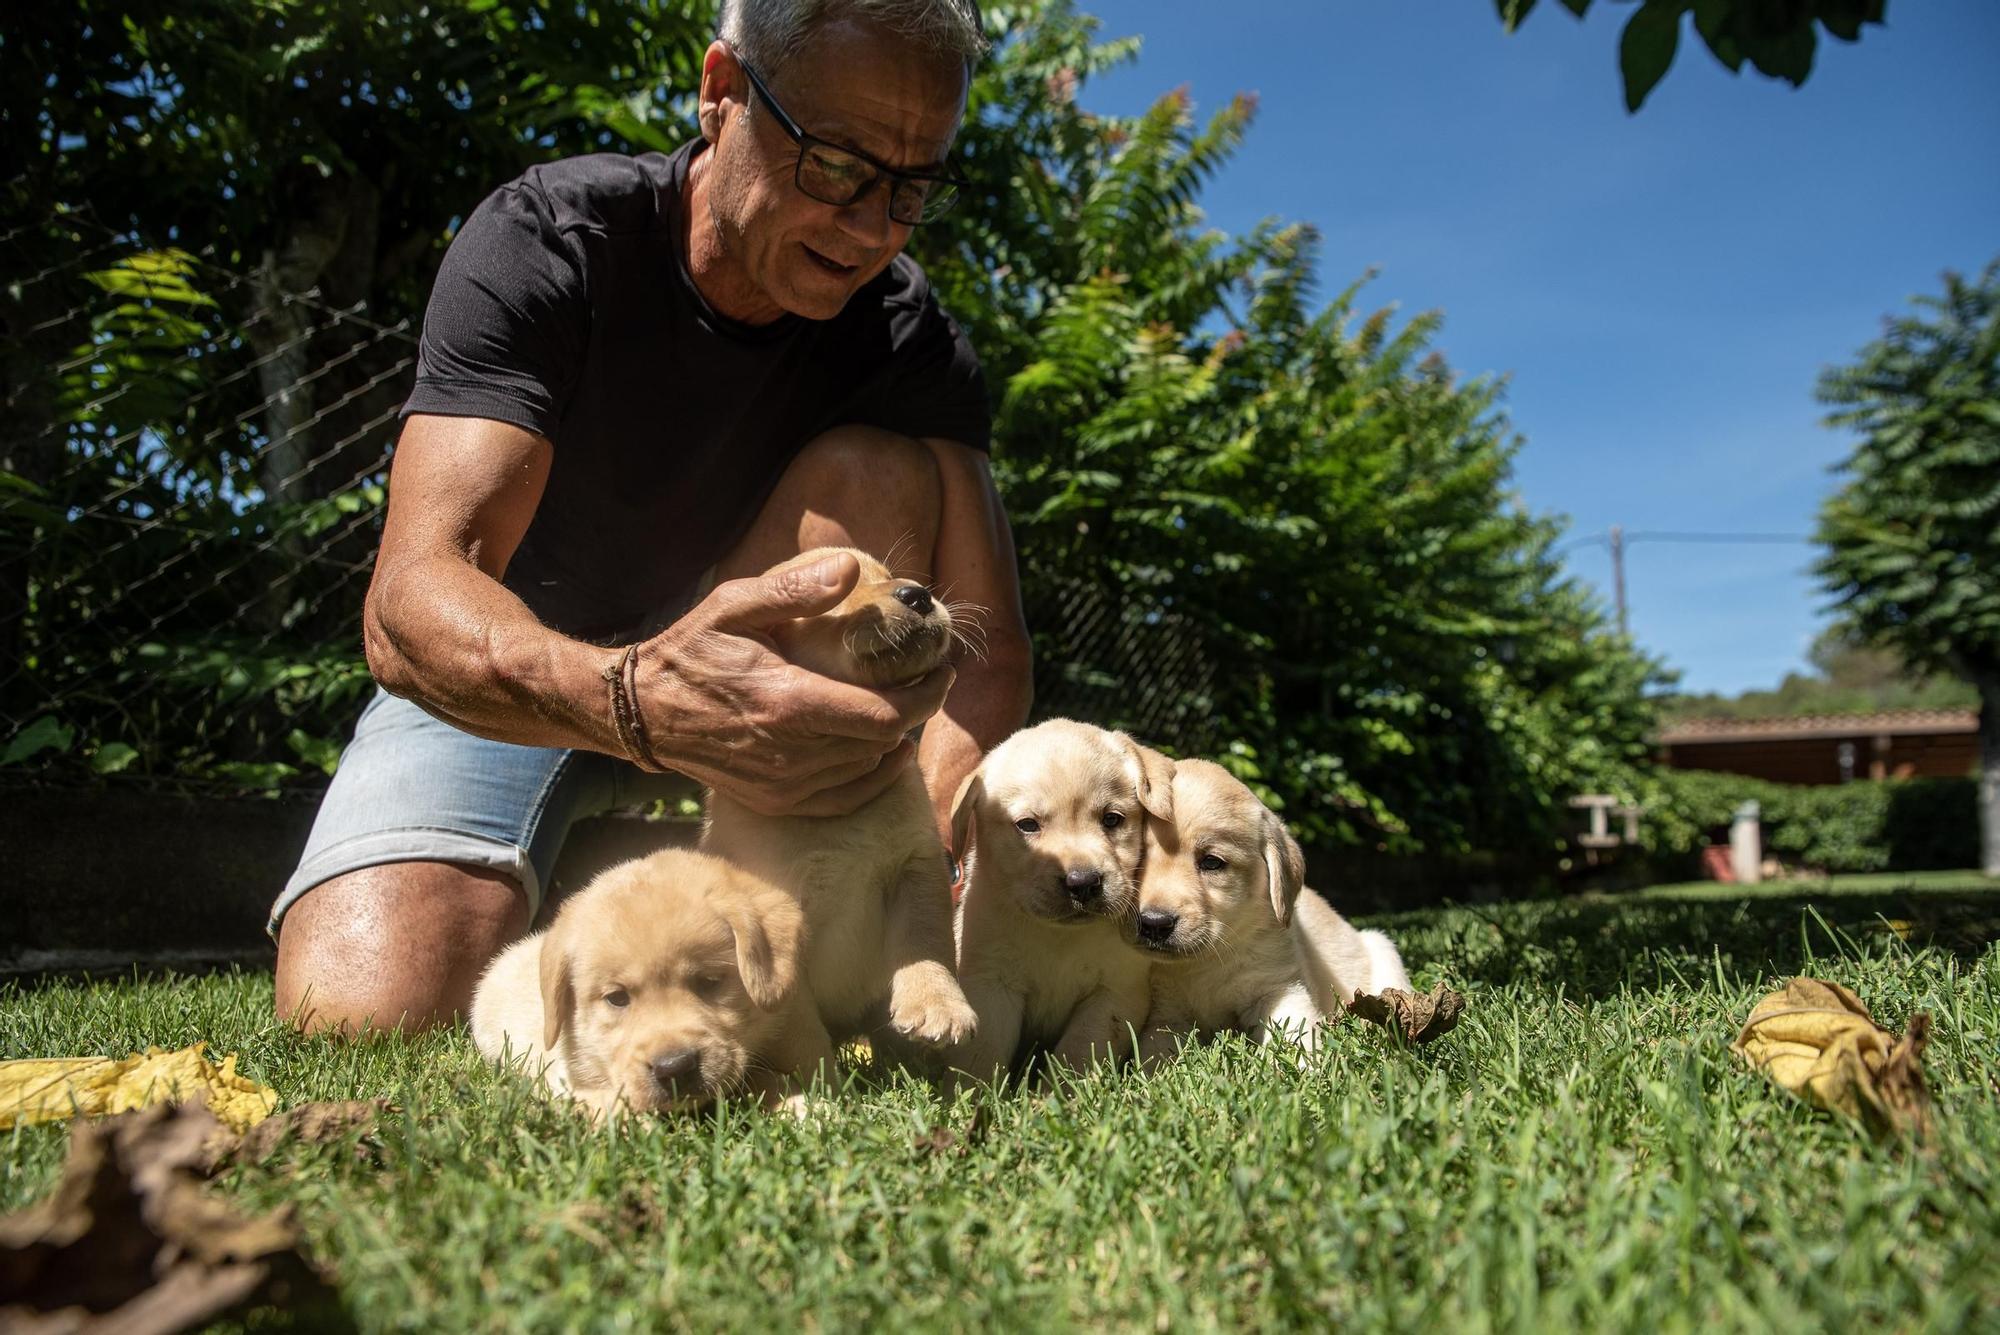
(308, 1124)
(130, 1241)
(1419, 1018)
(1818, 1040)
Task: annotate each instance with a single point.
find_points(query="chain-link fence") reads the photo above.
(191, 494)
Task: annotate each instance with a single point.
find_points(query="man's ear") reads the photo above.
(1152, 776)
(558, 989)
(1284, 867)
(964, 809)
(721, 77)
(767, 924)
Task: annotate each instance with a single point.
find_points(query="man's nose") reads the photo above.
(867, 218)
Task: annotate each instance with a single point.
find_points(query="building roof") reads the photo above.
(1888, 723)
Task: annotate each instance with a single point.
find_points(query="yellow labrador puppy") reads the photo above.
(1052, 827)
(875, 886)
(663, 984)
(1238, 942)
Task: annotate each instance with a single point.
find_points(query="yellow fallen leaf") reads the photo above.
(51, 1089)
(1817, 1040)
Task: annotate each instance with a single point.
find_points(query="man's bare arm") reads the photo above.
(720, 704)
(974, 563)
(440, 628)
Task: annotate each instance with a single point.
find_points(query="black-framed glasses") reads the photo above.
(835, 175)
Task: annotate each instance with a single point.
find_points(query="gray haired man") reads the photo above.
(643, 381)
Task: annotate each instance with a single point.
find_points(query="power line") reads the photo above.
(1617, 539)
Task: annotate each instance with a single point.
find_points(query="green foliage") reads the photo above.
(1913, 535)
(1778, 37)
(1314, 499)
(1888, 825)
(1851, 678)
(188, 503)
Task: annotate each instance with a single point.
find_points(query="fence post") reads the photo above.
(1746, 844)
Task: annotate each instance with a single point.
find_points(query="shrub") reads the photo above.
(1890, 825)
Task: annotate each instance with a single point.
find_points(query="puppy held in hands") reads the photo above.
(874, 885)
(665, 983)
(1051, 827)
(1238, 942)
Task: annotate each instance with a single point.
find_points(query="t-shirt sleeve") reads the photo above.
(509, 318)
(934, 386)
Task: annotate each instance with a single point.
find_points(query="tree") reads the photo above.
(1850, 676)
(1913, 537)
(1292, 524)
(1779, 37)
(187, 503)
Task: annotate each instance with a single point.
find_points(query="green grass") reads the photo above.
(1581, 1152)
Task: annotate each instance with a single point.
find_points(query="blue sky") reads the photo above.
(1662, 290)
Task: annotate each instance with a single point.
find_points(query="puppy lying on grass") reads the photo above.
(665, 983)
(874, 886)
(1051, 826)
(1237, 941)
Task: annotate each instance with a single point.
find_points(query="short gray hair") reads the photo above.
(768, 33)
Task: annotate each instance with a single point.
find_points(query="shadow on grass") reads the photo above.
(1594, 945)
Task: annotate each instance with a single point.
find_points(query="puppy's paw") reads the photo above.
(930, 1007)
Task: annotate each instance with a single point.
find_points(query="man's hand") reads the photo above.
(723, 706)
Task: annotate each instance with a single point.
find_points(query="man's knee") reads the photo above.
(393, 947)
(869, 464)
(875, 487)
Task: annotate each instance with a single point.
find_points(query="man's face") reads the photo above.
(853, 85)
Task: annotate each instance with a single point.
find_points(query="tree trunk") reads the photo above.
(339, 216)
(1989, 772)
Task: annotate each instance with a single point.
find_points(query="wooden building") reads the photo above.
(1829, 748)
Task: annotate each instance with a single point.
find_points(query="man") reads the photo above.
(643, 381)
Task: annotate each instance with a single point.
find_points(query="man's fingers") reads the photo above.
(855, 793)
(793, 591)
(921, 699)
(836, 709)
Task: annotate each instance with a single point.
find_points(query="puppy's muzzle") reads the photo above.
(1084, 886)
(678, 1073)
(915, 597)
(1156, 927)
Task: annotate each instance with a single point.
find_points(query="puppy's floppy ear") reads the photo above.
(1284, 867)
(1152, 777)
(558, 989)
(964, 807)
(767, 924)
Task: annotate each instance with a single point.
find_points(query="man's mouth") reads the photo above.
(827, 263)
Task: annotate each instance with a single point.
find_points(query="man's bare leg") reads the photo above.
(854, 486)
(397, 946)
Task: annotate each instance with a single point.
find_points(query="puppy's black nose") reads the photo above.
(915, 597)
(677, 1070)
(1083, 883)
(1156, 925)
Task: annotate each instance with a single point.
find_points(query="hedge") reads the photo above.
(1886, 825)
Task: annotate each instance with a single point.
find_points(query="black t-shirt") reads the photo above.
(564, 306)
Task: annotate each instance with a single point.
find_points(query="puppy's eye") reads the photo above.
(1111, 820)
(706, 985)
(618, 996)
(1210, 862)
(1028, 825)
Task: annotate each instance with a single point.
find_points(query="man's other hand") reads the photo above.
(723, 706)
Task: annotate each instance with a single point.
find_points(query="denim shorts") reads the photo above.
(412, 788)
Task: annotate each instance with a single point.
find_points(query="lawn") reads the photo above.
(1582, 1152)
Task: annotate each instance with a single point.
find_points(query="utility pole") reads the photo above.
(1618, 573)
